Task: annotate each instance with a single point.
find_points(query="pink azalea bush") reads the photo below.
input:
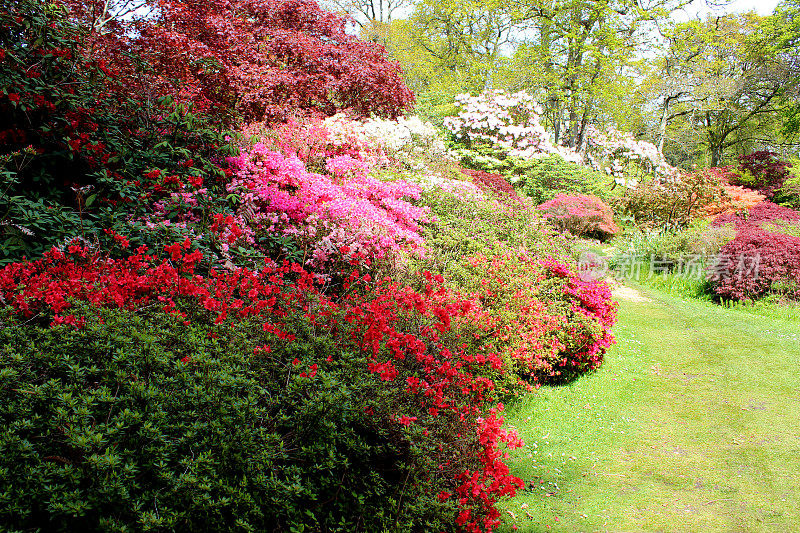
(328, 214)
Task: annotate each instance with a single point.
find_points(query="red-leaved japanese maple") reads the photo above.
(265, 59)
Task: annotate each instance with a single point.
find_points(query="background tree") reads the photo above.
(721, 79)
(586, 50)
(365, 12)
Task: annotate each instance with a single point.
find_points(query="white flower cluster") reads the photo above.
(409, 135)
(404, 134)
(612, 151)
(510, 121)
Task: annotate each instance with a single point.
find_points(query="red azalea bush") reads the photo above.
(435, 392)
(580, 214)
(758, 261)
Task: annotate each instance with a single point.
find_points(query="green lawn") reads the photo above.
(692, 424)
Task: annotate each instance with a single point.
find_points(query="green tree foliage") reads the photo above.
(723, 83)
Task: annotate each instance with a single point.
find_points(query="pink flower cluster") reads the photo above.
(347, 208)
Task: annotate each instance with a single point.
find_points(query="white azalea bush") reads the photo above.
(494, 128)
(619, 154)
(510, 122)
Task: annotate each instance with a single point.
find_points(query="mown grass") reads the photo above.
(692, 424)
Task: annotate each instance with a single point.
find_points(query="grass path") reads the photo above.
(692, 424)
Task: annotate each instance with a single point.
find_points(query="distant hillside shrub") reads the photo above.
(581, 215)
(734, 198)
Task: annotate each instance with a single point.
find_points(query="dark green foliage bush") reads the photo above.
(542, 178)
(140, 423)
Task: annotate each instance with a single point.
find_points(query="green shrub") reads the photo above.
(789, 193)
(542, 178)
(140, 423)
(462, 226)
(783, 226)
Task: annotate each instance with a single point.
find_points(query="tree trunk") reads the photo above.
(662, 127)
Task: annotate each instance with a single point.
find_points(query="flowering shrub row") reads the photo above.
(309, 337)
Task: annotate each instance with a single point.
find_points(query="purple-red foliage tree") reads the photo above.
(265, 59)
(758, 261)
